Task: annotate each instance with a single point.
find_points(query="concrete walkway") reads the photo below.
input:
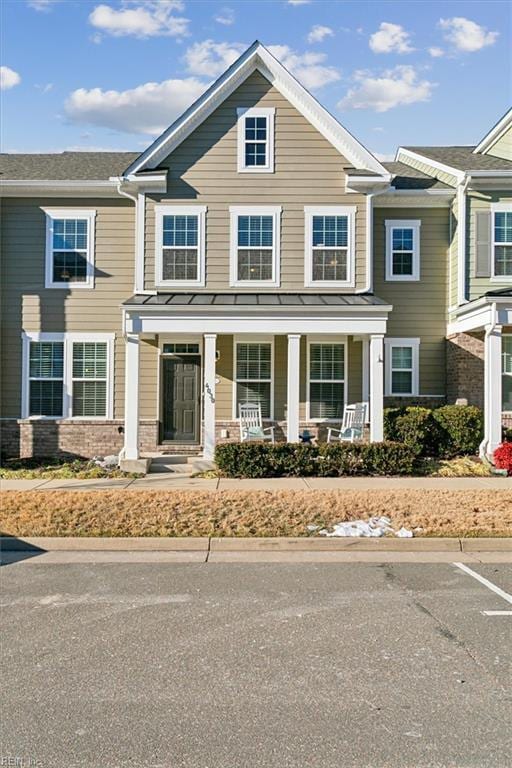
(168, 482)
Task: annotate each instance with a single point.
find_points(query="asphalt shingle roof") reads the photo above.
(65, 166)
(463, 159)
(405, 177)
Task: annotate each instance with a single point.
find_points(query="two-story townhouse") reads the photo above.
(256, 251)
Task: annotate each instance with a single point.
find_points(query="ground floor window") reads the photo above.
(67, 375)
(253, 375)
(507, 373)
(326, 382)
(402, 366)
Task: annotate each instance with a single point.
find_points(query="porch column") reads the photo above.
(365, 343)
(131, 397)
(209, 395)
(293, 388)
(377, 387)
(492, 387)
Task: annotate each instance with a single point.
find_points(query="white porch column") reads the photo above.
(365, 342)
(377, 387)
(492, 386)
(293, 388)
(209, 395)
(131, 397)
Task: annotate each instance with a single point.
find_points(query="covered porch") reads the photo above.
(490, 317)
(302, 357)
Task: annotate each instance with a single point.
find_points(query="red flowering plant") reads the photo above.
(503, 457)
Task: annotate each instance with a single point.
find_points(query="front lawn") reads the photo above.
(56, 469)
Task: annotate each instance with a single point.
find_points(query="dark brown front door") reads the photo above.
(180, 403)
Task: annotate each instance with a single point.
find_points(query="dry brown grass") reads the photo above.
(248, 513)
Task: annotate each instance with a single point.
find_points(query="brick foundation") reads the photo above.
(25, 438)
(465, 368)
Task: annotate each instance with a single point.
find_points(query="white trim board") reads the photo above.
(257, 57)
(495, 134)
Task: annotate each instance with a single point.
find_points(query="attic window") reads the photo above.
(256, 140)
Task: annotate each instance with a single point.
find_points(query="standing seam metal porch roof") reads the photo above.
(255, 299)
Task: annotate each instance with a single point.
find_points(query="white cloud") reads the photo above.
(8, 78)
(393, 88)
(148, 19)
(467, 35)
(44, 88)
(148, 108)
(309, 68)
(42, 5)
(210, 58)
(225, 17)
(435, 52)
(299, 2)
(390, 38)
(319, 33)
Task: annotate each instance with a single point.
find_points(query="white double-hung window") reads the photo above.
(402, 366)
(403, 249)
(69, 248)
(255, 239)
(502, 240)
(253, 375)
(256, 139)
(180, 245)
(329, 246)
(67, 375)
(326, 380)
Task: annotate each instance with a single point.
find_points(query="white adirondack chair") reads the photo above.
(251, 424)
(354, 418)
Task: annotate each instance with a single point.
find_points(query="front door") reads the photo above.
(181, 398)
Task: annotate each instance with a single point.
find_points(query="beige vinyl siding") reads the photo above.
(308, 171)
(419, 308)
(425, 167)
(27, 305)
(503, 147)
(482, 201)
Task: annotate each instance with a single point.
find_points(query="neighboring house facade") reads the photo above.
(255, 251)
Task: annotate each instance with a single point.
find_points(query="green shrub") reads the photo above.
(255, 460)
(413, 426)
(461, 429)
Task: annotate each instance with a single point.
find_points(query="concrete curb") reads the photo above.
(233, 544)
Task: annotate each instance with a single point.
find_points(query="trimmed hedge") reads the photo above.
(255, 460)
(452, 430)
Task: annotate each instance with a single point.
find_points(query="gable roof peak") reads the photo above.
(258, 57)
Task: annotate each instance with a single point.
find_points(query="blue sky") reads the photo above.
(112, 74)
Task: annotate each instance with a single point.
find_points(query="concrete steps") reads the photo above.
(176, 464)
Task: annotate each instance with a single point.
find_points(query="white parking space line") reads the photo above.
(497, 590)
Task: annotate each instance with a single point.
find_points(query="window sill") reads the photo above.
(180, 284)
(402, 279)
(70, 286)
(249, 284)
(318, 284)
(500, 279)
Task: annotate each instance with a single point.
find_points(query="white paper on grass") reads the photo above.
(375, 527)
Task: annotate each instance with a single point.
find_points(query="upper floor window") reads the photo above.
(256, 139)
(403, 250)
(330, 246)
(69, 248)
(67, 375)
(502, 242)
(255, 245)
(180, 239)
(402, 366)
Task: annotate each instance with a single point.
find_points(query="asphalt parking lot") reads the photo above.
(335, 665)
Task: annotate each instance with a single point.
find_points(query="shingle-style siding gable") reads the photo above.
(308, 171)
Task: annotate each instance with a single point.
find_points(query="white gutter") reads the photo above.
(461, 241)
(140, 210)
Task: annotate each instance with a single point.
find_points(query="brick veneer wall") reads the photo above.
(465, 368)
(25, 437)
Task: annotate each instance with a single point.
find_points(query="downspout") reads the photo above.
(368, 288)
(461, 241)
(482, 450)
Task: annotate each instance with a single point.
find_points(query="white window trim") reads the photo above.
(255, 210)
(67, 395)
(329, 210)
(165, 209)
(268, 113)
(325, 340)
(415, 225)
(414, 343)
(498, 208)
(256, 339)
(69, 213)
